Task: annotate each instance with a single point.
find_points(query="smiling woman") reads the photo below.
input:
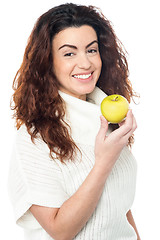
(76, 60)
(72, 176)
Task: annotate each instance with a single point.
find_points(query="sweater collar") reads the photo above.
(84, 116)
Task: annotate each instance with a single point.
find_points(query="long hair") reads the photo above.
(36, 102)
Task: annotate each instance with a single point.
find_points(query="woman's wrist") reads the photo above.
(102, 171)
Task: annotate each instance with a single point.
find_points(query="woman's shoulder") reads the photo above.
(23, 134)
(24, 142)
(32, 153)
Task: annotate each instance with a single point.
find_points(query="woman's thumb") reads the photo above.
(103, 128)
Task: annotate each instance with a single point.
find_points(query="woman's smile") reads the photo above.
(84, 77)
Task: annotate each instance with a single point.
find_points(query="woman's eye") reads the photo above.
(92, 51)
(68, 54)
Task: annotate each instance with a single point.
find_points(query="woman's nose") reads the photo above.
(84, 61)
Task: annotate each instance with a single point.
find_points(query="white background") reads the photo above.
(136, 24)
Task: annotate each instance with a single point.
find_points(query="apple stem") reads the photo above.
(115, 99)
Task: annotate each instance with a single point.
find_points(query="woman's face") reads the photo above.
(76, 60)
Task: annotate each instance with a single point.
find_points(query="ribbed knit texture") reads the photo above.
(36, 179)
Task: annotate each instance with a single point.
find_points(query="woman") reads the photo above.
(72, 175)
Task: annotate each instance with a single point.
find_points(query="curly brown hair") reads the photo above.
(36, 101)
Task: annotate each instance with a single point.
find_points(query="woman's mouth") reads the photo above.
(83, 76)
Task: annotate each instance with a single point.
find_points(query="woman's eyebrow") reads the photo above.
(67, 45)
(74, 47)
(95, 41)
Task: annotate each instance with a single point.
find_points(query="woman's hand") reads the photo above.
(108, 148)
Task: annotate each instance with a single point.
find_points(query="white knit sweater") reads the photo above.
(36, 179)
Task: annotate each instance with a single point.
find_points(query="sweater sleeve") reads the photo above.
(34, 178)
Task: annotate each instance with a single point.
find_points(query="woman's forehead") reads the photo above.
(83, 35)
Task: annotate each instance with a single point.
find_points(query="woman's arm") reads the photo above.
(132, 222)
(65, 222)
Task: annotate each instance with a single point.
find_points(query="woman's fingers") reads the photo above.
(134, 126)
(103, 128)
(111, 146)
(121, 134)
(128, 126)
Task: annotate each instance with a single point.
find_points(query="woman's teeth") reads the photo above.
(82, 76)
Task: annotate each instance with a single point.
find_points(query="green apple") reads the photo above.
(114, 108)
